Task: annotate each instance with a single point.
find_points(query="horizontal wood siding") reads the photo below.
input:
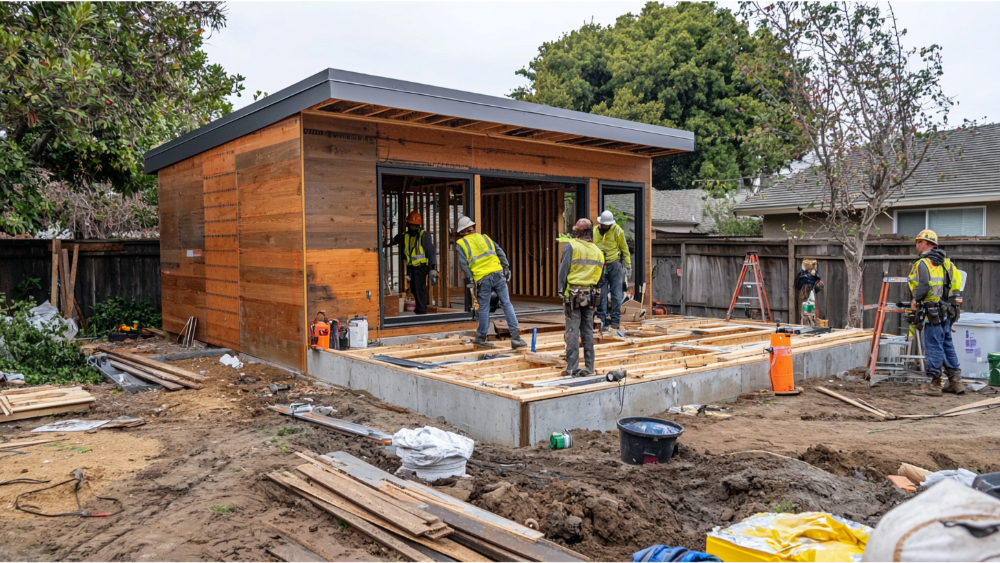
(271, 295)
(222, 260)
(182, 244)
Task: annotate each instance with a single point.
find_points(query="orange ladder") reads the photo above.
(751, 263)
(881, 308)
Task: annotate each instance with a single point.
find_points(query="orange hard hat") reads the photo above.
(583, 225)
(414, 218)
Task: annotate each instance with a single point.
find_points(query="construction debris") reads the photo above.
(859, 403)
(416, 521)
(303, 411)
(47, 400)
(170, 377)
(432, 453)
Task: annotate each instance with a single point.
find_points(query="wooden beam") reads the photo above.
(357, 107)
(381, 109)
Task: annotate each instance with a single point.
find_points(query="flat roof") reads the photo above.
(426, 105)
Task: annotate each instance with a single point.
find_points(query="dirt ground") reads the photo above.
(191, 480)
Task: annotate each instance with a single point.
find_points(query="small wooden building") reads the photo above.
(285, 208)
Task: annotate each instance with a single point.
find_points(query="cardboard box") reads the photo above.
(632, 311)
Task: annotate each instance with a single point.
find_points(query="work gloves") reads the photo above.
(628, 273)
(506, 274)
(434, 277)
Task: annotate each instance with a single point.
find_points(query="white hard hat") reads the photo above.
(464, 223)
(606, 218)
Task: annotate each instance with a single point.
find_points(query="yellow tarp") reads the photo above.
(806, 537)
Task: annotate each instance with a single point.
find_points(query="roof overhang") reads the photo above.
(372, 97)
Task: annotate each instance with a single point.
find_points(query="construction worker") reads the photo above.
(610, 238)
(418, 248)
(809, 284)
(936, 285)
(579, 279)
(486, 270)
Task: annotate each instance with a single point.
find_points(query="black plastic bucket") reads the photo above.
(647, 440)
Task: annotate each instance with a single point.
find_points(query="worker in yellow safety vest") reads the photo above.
(486, 271)
(936, 285)
(419, 252)
(610, 238)
(579, 277)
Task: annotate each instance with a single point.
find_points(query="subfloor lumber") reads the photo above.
(655, 348)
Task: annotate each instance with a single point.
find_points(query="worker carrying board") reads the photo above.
(936, 285)
(610, 238)
(421, 264)
(486, 270)
(580, 273)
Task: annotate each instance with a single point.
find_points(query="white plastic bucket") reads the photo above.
(975, 336)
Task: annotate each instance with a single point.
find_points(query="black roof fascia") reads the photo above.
(363, 88)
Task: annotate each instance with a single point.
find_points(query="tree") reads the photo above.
(87, 88)
(729, 225)
(870, 112)
(672, 66)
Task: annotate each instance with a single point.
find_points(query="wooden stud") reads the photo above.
(56, 248)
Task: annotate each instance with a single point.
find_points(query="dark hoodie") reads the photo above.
(936, 256)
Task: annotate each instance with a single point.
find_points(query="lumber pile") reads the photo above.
(46, 400)
(170, 377)
(418, 522)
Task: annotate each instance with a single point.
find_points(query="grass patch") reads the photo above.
(223, 509)
(287, 430)
(284, 448)
(785, 506)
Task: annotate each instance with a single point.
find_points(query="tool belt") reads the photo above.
(933, 311)
(582, 296)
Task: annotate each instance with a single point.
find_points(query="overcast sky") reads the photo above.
(477, 46)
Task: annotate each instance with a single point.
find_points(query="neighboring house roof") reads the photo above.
(969, 171)
(445, 108)
(679, 208)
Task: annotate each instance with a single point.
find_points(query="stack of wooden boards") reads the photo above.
(420, 523)
(46, 400)
(170, 377)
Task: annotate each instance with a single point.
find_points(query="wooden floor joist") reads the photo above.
(659, 347)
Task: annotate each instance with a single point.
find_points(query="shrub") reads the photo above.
(115, 311)
(34, 352)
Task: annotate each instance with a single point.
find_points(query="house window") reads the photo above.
(951, 221)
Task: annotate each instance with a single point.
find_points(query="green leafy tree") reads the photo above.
(871, 112)
(729, 225)
(673, 66)
(87, 88)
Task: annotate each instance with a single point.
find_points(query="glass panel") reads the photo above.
(910, 223)
(623, 207)
(956, 222)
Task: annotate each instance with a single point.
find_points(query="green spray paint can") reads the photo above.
(560, 440)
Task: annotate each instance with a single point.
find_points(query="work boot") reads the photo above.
(954, 383)
(582, 372)
(614, 327)
(517, 342)
(480, 341)
(933, 388)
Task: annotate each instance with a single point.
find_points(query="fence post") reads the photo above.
(684, 273)
(793, 313)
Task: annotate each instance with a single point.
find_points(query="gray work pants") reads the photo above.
(579, 324)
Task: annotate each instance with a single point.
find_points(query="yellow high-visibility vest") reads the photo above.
(588, 261)
(937, 278)
(414, 247)
(481, 254)
(613, 244)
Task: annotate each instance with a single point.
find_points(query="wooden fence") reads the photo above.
(709, 269)
(130, 269)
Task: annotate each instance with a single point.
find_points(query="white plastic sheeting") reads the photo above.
(231, 361)
(46, 314)
(432, 453)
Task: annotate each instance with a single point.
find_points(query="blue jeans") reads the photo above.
(939, 348)
(611, 289)
(490, 283)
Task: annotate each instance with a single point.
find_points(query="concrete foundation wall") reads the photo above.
(490, 418)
